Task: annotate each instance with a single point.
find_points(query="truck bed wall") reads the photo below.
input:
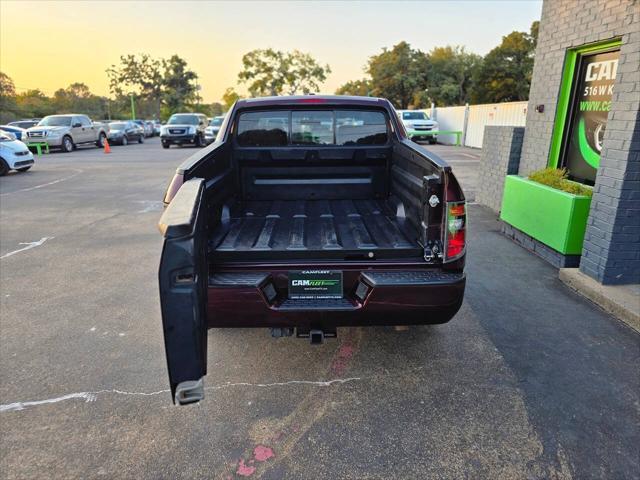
(392, 173)
(313, 174)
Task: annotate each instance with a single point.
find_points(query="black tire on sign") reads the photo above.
(4, 168)
(141, 139)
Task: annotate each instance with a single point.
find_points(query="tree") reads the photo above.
(34, 103)
(304, 74)
(167, 84)
(230, 97)
(505, 74)
(361, 87)
(449, 75)
(273, 72)
(78, 98)
(140, 75)
(7, 98)
(179, 86)
(398, 74)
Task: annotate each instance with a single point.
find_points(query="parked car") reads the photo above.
(211, 132)
(309, 213)
(125, 132)
(67, 131)
(149, 128)
(156, 128)
(25, 123)
(148, 132)
(419, 122)
(184, 128)
(14, 155)
(17, 132)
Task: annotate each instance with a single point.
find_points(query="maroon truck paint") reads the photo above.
(384, 305)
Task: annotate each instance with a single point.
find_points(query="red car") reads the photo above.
(312, 213)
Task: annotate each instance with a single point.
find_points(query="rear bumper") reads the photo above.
(384, 296)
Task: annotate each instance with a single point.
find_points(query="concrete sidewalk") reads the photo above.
(621, 301)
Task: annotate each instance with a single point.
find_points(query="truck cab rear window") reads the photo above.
(312, 127)
(263, 129)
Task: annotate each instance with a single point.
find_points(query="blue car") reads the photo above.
(18, 132)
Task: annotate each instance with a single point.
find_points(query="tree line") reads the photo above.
(409, 77)
(450, 75)
(159, 87)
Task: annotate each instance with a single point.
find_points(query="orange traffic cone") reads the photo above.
(107, 148)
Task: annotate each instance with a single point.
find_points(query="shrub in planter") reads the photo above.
(557, 178)
(548, 207)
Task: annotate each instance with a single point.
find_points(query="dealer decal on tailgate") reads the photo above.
(315, 284)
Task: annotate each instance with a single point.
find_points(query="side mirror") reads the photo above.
(76, 125)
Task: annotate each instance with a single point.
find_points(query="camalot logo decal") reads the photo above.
(601, 70)
(314, 283)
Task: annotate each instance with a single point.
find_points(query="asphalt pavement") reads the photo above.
(529, 380)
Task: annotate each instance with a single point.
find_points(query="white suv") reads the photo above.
(14, 155)
(419, 125)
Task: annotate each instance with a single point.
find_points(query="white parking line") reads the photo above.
(93, 396)
(78, 172)
(469, 155)
(29, 246)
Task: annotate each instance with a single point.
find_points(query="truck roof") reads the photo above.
(311, 99)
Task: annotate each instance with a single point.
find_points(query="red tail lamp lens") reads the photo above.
(456, 229)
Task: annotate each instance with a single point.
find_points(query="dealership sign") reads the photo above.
(592, 90)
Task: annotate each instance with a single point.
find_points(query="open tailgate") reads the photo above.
(183, 289)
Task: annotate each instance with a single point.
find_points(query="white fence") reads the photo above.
(471, 120)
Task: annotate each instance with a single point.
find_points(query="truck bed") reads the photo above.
(311, 229)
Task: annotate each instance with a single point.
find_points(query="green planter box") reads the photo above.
(556, 218)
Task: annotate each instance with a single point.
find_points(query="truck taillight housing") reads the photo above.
(455, 240)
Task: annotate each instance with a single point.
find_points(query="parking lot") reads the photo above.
(529, 380)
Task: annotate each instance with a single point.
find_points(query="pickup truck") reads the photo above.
(67, 131)
(308, 213)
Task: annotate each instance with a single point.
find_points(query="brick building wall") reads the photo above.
(611, 251)
(500, 157)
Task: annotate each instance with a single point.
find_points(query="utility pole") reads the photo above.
(133, 107)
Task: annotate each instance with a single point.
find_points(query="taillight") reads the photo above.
(456, 230)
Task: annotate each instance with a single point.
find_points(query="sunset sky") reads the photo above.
(50, 44)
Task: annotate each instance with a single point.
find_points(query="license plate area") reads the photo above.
(315, 284)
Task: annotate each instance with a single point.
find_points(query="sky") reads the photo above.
(50, 44)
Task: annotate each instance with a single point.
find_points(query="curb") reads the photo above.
(620, 301)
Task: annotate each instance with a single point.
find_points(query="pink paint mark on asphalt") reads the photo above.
(262, 453)
(245, 470)
(342, 358)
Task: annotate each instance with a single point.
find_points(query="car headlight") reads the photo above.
(436, 126)
(163, 130)
(192, 130)
(53, 133)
